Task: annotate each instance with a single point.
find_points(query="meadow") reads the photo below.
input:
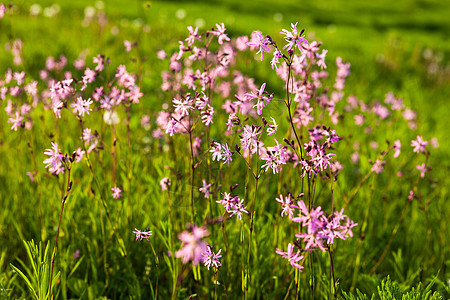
(215, 150)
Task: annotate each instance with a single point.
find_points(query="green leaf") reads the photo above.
(30, 287)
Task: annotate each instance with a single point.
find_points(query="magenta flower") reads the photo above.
(165, 183)
(276, 59)
(142, 235)
(193, 35)
(205, 188)
(263, 100)
(378, 166)
(210, 258)
(286, 205)
(272, 128)
(292, 257)
(419, 144)
(294, 38)
(237, 208)
(54, 162)
(2, 10)
(260, 42)
(228, 201)
(221, 152)
(220, 33)
(397, 148)
(128, 45)
(423, 169)
(79, 153)
(16, 122)
(82, 106)
(172, 127)
(99, 60)
(314, 237)
(193, 245)
(117, 192)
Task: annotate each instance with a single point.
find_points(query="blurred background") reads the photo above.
(401, 46)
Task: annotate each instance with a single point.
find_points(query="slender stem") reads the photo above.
(332, 278)
(192, 176)
(288, 103)
(68, 188)
(311, 274)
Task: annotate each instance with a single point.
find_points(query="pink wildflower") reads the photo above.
(210, 258)
(17, 122)
(292, 257)
(423, 169)
(419, 144)
(142, 235)
(258, 40)
(82, 106)
(397, 148)
(193, 245)
(165, 183)
(117, 192)
(54, 162)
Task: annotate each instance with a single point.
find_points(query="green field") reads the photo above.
(401, 47)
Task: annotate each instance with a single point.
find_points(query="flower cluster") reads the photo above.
(321, 230)
(233, 205)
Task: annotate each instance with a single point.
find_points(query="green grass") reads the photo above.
(385, 42)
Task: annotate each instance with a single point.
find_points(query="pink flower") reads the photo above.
(99, 60)
(117, 192)
(161, 54)
(193, 35)
(419, 144)
(272, 128)
(241, 43)
(423, 169)
(205, 188)
(220, 33)
(359, 119)
(294, 38)
(78, 155)
(237, 208)
(193, 245)
(2, 10)
(263, 100)
(128, 45)
(82, 106)
(165, 183)
(378, 166)
(292, 257)
(221, 152)
(54, 162)
(17, 122)
(286, 205)
(397, 148)
(258, 40)
(142, 235)
(210, 258)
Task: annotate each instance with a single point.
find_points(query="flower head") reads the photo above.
(142, 235)
(293, 38)
(258, 40)
(419, 144)
(210, 258)
(193, 245)
(54, 162)
(82, 106)
(291, 256)
(117, 192)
